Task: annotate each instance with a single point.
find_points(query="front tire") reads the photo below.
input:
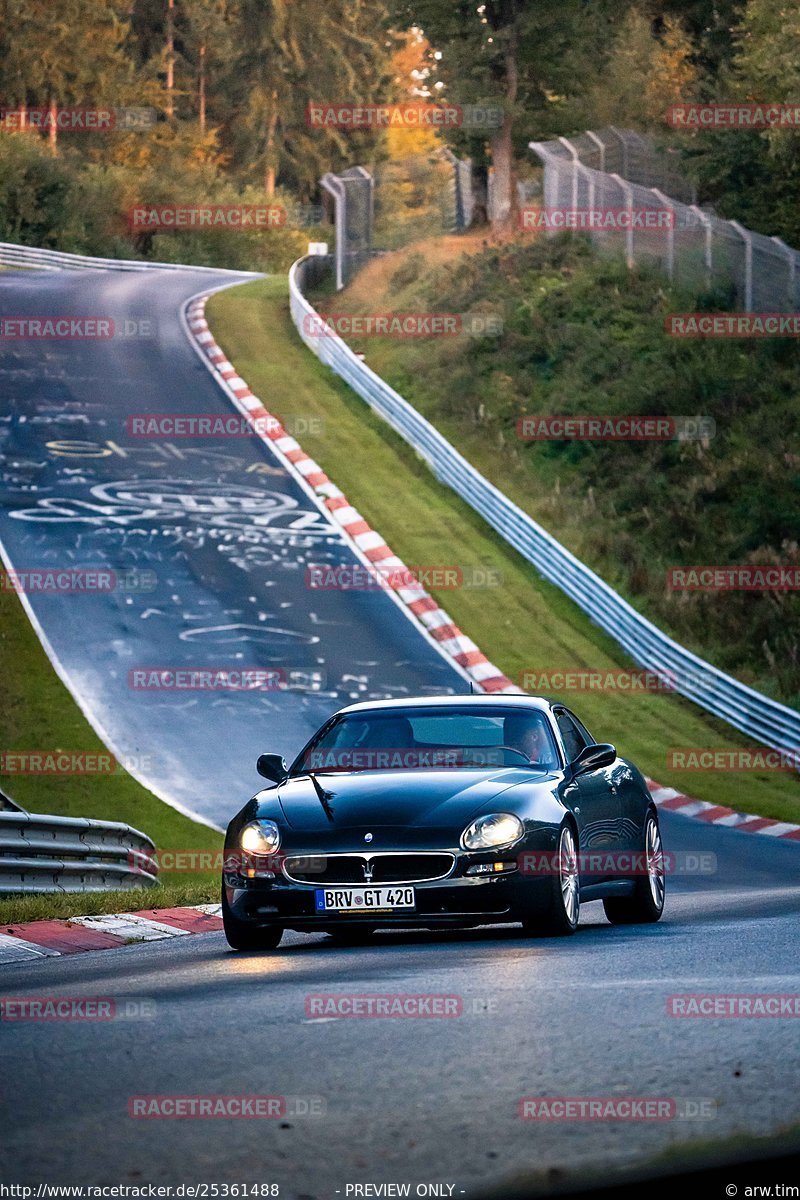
(241, 935)
(646, 904)
(562, 916)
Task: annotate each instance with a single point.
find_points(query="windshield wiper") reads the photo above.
(323, 796)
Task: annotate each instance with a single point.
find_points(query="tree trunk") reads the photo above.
(504, 185)
(170, 58)
(52, 132)
(202, 89)
(270, 171)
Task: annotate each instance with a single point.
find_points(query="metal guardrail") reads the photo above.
(72, 854)
(31, 257)
(763, 719)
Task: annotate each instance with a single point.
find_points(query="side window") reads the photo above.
(588, 740)
(573, 739)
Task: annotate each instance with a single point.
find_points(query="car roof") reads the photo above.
(506, 700)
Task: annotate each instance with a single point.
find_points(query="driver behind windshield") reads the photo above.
(530, 735)
(433, 739)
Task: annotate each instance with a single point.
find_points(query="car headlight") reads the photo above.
(497, 829)
(260, 837)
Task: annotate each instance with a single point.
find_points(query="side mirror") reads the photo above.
(273, 767)
(591, 758)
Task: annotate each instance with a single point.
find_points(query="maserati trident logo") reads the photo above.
(368, 872)
(367, 837)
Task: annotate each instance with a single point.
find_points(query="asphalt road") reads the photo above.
(416, 1100)
(209, 541)
(428, 1100)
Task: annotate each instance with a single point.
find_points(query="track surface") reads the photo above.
(415, 1100)
(428, 1101)
(215, 533)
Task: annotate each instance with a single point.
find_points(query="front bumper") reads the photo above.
(456, 900)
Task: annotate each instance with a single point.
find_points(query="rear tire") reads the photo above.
(562, 916)
(242, 935)
(646, 904)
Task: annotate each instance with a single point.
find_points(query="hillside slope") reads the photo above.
(586, 337)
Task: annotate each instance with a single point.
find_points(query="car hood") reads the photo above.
(425, 799)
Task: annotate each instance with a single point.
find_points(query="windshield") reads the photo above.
(432, 738)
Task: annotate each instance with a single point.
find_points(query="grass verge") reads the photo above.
(16, 909)
(522, 624)
(707, 1163)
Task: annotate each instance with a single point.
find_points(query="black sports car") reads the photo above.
(447, 811)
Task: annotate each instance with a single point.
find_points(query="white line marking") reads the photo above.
(14, 949)
(126, 925)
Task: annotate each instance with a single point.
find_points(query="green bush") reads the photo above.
(74, 204)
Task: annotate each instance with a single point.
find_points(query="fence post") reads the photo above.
(333, 185)
(457, 200)
(705, 221)
(627, 191)
(371, 205)
(791, 258)
(550, 169)
(590, 177)
(747, 237)
(575, 161)
(463, 201)
(602, 146)
(665, 200)
(613, 129)
(348, 255)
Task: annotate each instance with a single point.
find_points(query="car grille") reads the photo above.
(351, 868)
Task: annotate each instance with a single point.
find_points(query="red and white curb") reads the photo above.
(717, 814)
(33, 940)
(30, 940)
(423, 608)
(368, 544)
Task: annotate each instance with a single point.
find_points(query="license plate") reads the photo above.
(363, 899)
